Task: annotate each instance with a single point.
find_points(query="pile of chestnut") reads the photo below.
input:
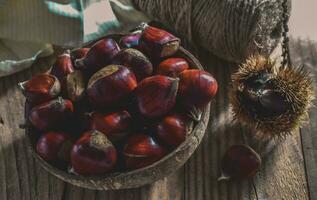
(122, 104)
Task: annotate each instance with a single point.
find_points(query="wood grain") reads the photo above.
(304, 52)
(282, 175)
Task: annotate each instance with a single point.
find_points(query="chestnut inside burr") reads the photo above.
(262, 97)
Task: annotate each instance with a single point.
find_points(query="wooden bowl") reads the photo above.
(136, 178)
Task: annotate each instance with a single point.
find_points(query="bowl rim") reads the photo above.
(139, 177)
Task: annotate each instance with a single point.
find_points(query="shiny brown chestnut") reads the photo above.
(156, 95)
(51, 114)
(62, 66)
(136, 61)
(196, 88)
(131, 40)
(141, 150)
(172, 67)
(173, 129)
(240, 162)
(78, 53)
(41, 88)
(74, 88)
(99, 55)
(158, 43)
(115, 126)
(93, 154)
(110, 85)
(54, 147)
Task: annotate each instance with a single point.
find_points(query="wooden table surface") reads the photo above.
(288, 171)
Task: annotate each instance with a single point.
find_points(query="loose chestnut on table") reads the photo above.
(143, 139)
(240, 162)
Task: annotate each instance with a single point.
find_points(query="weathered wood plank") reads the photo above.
(304, 53)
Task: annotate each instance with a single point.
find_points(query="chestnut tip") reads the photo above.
(21, 85)
(195, 114)
(141, 27)
(24, 125)
(79, 63)
(66, 52)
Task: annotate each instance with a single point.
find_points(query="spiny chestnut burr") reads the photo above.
(93, 154)
(141, 150)
(78, 53)
(131, 40)
(240, 162)
(110, 85)
(54, 146)
(156, 95)
(173, 129)
(75, 86)
(41, 88)
(51, 114)
(172, 67)
(136, 61)
(270, 98)
(114, 125)
(158, 43)
(62, 66)
(196, 88)
(99, 55)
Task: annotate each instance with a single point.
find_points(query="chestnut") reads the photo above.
(131, 40)
(136, 61)
(114, 125)
(141, 150)
(51, 114)
(74, 88)
(196, 88)
(99, 55)
(78, 53)
(156, 95)
(54, 147)
(110, 85)
(173, 129)
(158, 43)
(172, 67)
(62, 66)
(259, 93)
(240, 162)
(40, 88)
(93, 154)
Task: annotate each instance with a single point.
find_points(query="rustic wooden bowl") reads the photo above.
(136, 178)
